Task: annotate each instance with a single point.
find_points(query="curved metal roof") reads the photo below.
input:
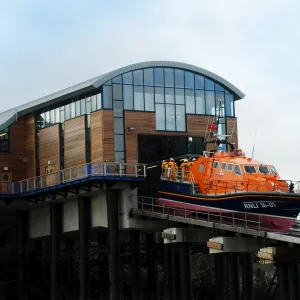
(9, 117)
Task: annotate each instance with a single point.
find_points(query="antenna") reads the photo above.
(254, 143)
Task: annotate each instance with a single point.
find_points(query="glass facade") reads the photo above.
(4, 140)
(170, 93)
(77, 106)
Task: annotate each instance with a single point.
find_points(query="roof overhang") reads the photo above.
(7, 118)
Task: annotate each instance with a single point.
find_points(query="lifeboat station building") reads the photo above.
(70, 160)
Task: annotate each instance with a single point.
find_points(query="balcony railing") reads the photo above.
(75, 173)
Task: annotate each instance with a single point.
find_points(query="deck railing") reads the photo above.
(74, 173)
(226, 217)
(221, 187)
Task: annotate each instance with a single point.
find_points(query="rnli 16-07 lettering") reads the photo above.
(251, 205)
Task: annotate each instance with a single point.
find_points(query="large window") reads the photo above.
(4, 140)
(171, 93)
(76, 106)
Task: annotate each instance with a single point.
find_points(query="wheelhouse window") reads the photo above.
(237, 170)
(201, 168)
(273, 170)
(223, 166)
(250, 169)
(229, 167)
(4, 140)
(215, 164)
(263, 169)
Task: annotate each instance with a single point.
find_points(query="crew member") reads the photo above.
(173, 169)
(184, 167)
(164, 168)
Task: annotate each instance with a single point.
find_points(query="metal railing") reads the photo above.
(223, 187)
(202, 213)
(74, 173)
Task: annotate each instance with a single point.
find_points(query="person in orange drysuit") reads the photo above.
(189, 164)
(173, 169)
(164, 167)
(184, 168)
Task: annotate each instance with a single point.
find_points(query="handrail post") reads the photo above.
(77, 172)
(27, 183)
(104, 168)
(21, 187)
(144, 170)
(135, 170)
(120, 169)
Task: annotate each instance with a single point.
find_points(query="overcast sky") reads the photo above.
(49, 45)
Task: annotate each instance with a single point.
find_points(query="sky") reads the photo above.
(47, 46)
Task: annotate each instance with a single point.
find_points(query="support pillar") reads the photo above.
(169, 282)
(136, 265)
(283, 280)
(21, 242)
(233, 276)
(114, 245)
(70, 267)
(247, 274)
(152, 269)
(176, 272)
(55, 223)
(297, 280)
(84, 226)
(103, 265)
(293, 281)
(221, 276)
(185, 272)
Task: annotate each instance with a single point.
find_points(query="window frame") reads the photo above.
(244, 167)
(5, 140)
(236, 165)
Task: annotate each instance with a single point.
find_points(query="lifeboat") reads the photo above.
(229, 182)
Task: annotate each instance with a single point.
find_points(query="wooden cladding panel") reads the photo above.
(49, 148)
(197, 125)
(30, 145)
(232, 130)
(108, 135)
(97, 136)
(75, 142)
(145, 123)
(14, 160)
